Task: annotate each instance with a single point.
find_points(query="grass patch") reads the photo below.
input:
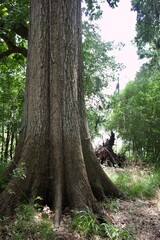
(86, 223)
(134, 182)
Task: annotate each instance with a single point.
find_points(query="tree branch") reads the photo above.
(12, 50)
(20, 30)
(8, 40)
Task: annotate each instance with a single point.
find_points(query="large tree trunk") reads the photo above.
(54, 158)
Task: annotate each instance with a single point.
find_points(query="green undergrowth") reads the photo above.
(33, 224)
(136, 182)
(86, 223)
(28, 223)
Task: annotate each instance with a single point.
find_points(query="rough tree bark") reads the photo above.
(54, 152)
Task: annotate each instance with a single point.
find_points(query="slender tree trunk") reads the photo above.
(6, 151)
(12, 142)
(2, 141)
(54, 149)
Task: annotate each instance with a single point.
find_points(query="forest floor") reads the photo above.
(140, 216)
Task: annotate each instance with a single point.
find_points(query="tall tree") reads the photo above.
(148, 28)
(54, 158)
(139, 102)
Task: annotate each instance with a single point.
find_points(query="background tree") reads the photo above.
(54, 157)
(147, 39)
(138, 103)
(12, 81)
(100, 68)
(136, 114)
(148, 28)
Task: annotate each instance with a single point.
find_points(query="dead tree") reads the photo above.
(106, 154)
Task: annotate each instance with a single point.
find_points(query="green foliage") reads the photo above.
(113, 3)
(13, 26)
(137, 183)
(11, 101)
(93, 9)
(113, 204)
(87, 224)
(14, 12)
(136, 114)
(115, 233)
(147, 27)
(13, 15)
(100, 68)
(30, 223)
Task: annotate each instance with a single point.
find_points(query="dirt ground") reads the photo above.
(141, 216)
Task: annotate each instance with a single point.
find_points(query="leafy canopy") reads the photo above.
(147, 27)
(136, 113)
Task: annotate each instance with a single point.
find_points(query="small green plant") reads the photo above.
(30, 224)
(86, 223)
(114, 232)
(46, 231)
(113, 204)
